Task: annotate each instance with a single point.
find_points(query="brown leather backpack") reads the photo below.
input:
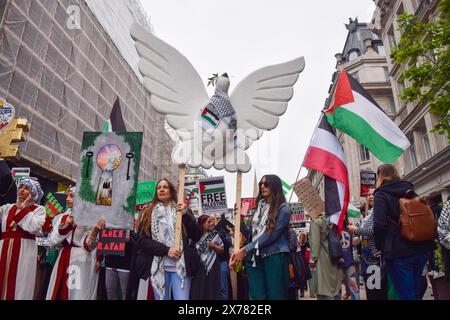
(417, 222)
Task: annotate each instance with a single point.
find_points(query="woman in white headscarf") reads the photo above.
(74, 276)
(21, 221)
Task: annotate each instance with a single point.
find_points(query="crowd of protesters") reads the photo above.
(273, 261)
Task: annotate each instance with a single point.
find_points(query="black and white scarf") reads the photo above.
(444, 226)
(160, 231)
(208, 255)
(259, 224)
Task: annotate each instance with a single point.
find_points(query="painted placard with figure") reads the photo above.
(107, 178)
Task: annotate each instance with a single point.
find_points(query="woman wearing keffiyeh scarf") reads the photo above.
(206, 283)
(155, 256)
(21, 222)
(267, 254)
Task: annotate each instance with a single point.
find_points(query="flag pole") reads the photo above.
(181, 178)
(303, 161)
(237, 231)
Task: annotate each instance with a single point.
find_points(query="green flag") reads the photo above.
(286, 187)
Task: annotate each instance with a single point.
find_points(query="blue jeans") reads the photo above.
(351, 282)
(224, 272)
(172, 282)
(406, 276)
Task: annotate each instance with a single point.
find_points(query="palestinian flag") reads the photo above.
(286, 187)
(210, 118)
(211, 186)
(325, 155)
(115, 121)
(357, 114)
(353, 212)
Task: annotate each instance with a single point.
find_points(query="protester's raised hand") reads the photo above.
(352, 229)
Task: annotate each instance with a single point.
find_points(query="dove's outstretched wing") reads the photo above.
(262, 97)
(175, 87)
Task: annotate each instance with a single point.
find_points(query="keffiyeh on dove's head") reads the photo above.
(177, 91)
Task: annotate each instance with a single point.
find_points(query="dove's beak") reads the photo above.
(225, 75)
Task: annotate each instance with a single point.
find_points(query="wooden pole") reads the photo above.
(181, 178)
(237, 231)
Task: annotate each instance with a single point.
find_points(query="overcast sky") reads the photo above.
(239, 37)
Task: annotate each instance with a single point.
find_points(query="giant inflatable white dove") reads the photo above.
(177, 91)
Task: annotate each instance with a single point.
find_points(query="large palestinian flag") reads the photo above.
(357, 114)
(325, 155)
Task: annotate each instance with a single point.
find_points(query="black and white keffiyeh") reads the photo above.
(161, 232)
(34, 186)
(259, 224)
(208, 255)
(444, 226)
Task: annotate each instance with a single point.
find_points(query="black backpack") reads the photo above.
(334, 244)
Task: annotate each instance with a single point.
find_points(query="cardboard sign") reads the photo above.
(212, 195)
(247, 204)
(107, 179)
(112, 242)
(192, 195)
(368, 181)
(298, 216)
(52, 208)
(144, 195)
(309, 197)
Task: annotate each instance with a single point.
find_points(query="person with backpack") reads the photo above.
(404, 230)
(324, 255)
(267, 252)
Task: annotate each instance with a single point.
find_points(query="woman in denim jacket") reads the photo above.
(267, 252)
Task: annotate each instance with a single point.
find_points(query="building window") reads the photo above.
(391, 38)
(380, 49)
(353, 55)
(364, 153)
(386, 74)
(425, 142)
(392, 104)
(412, 152)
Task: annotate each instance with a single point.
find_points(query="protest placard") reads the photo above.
(212, 195)
(247, 204)
(368, 180)
(112, 242)
(107, 179)
(144, 194)
(309, 197)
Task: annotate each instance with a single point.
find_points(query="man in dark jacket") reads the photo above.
(405, 260)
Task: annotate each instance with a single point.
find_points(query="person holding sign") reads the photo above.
(155, 255)
(74, 276)
(206, 283)
(21, 222)
(267, 253)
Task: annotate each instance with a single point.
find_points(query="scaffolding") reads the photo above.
(65, 82)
